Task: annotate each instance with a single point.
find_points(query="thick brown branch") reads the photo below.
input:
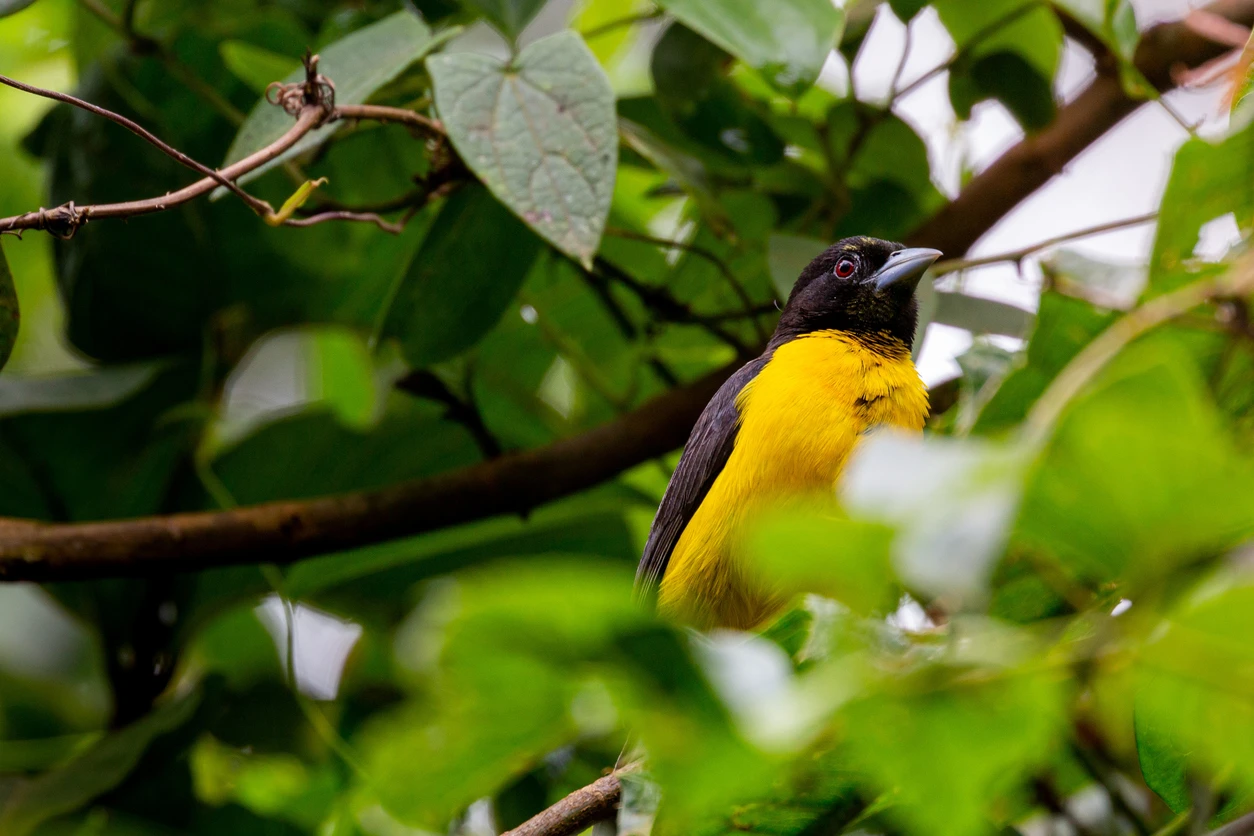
(576, 812)
(280, 532)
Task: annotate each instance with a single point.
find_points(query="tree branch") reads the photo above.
(311, 102)
(576, 812)
(1030, 164)
(281, 532)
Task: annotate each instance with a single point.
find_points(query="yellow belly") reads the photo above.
(800, 419)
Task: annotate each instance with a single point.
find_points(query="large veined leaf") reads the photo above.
(788, 40)
(358, 64)
(539, 131)
(462, 278)
(10, 316)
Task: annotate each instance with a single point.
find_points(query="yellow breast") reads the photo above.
(799, 420)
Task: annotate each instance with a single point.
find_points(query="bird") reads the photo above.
(837, 367)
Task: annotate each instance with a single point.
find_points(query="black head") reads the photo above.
(860, 285)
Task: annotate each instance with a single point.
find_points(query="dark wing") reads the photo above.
(709, 446)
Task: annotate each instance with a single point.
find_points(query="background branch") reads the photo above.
(576, 812)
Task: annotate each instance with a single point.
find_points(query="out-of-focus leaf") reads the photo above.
(10, 317)
(787, 41)
(1195, 697)
(298, 369)
(96, 389)
(97, 770)
(510, 17)
(311, 453)
(1119, 285)
(952, 753)
(523, 630)
(691, 88)
(1140, 475)
(952, 501)
(463, 277)
(1063, 326)
(1008, 50)
(255, 66)
(787, 256)
(359, 64)
(111, 453)
(1113, 21)
(796, 551)
(8, 7)
(540, 132)
(981, 316)
(273, 785)
(1207, 181)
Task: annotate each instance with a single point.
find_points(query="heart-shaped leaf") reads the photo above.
(359, 64)
(540, 132)
(788, 40)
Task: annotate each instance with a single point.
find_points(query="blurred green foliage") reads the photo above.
(987, 635)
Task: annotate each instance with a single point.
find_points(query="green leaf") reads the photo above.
(97, 770)
(510, 17)
(528, 630)
(981, 316)
(8, 7)
(1207, 181)
(787, 255)
(1007, 49)
(255, 66)
(462, 279)
(787, 40)
(1063, 326)
(691, 89)
(951, 754)
(359, 64)
(539, 131)
(96, 389)
(1195, 697)
(1140, 476)
(10, 315)
(951, 500)
(847, 560)
(1112, 21)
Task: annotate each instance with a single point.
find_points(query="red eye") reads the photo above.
(845, 268)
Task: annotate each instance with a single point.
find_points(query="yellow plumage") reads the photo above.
(800, 418)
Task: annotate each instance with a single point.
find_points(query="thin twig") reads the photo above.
(664, 304)
(344, 215)
(701, 252)
(576, 812)
(955, 265)
(257, 204)
(901, 67)
(424, 384)
(382, 113)
(63, 221)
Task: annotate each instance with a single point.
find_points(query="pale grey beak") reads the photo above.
(905, 267)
